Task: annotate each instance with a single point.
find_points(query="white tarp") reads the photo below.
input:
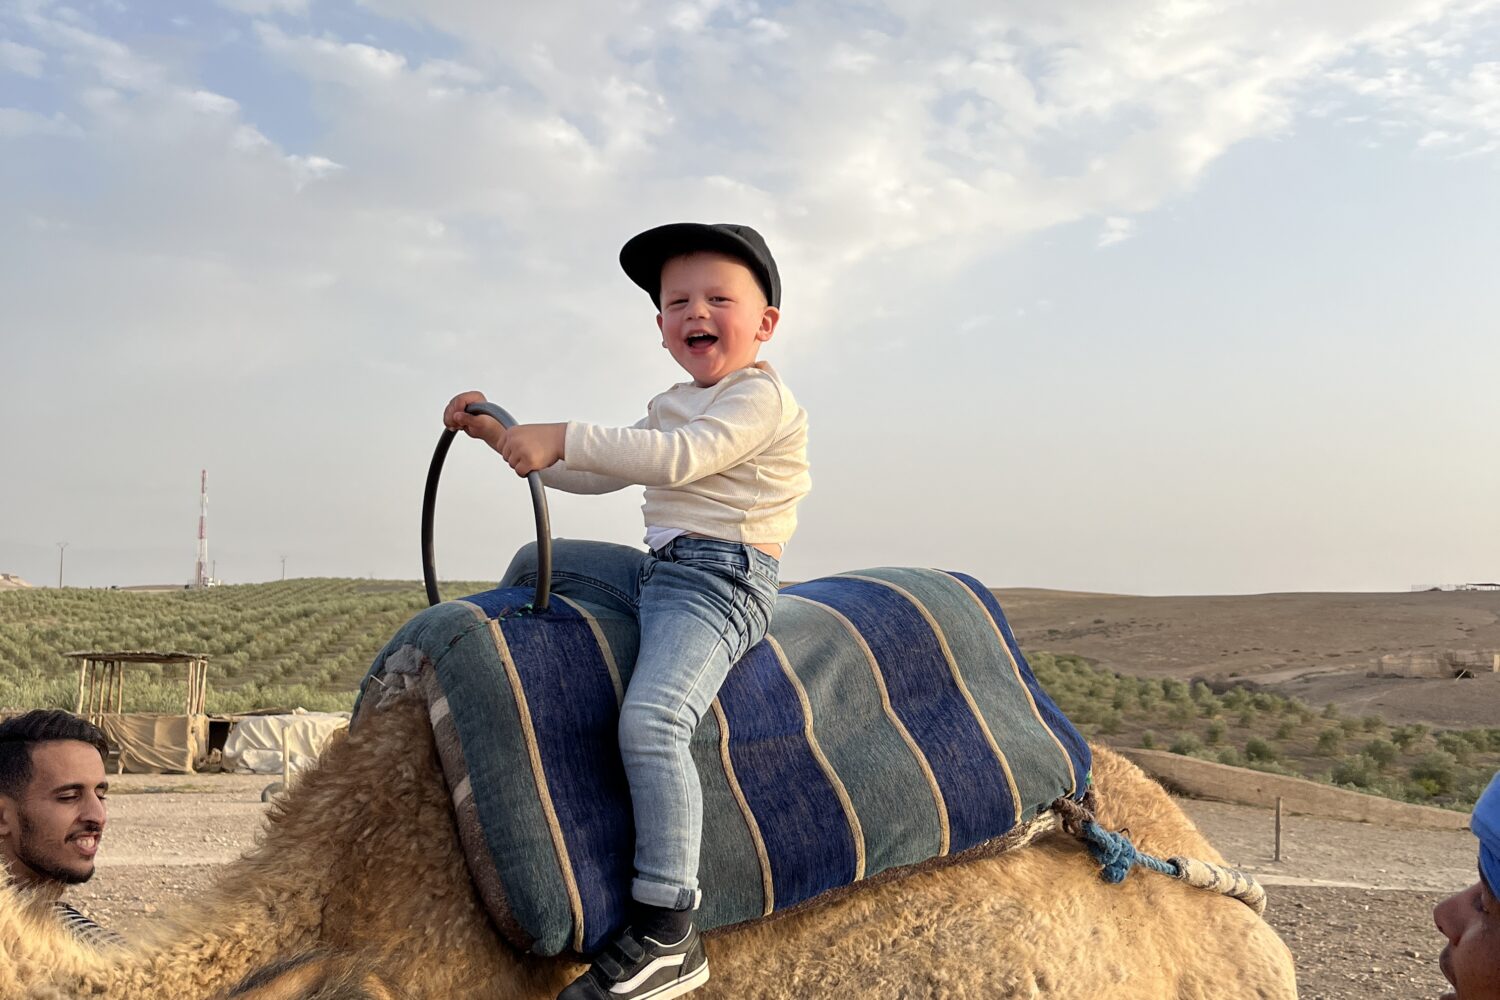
(255, 743)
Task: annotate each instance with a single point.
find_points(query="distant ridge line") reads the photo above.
(1451, 587)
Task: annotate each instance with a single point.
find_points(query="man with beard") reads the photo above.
(52, 816)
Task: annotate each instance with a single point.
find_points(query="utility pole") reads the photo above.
(202, 572)
(283, 569)
(61, 548)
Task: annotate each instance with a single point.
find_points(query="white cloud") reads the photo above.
(764, 29)
(21, 59)
(248, 137)
(691, 17)
(853, 138)
(911, 135)
(351, 63)
(210, 103)
(264, 7)
(1117, 229)
(15, 123)
(88, 53)
(1434, 83)
(311, 168)
(967, 122)
(448, 71)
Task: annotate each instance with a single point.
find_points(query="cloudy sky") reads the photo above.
(1152, 297)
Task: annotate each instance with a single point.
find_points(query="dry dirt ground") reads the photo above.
(1352, 901)
(1319, 647)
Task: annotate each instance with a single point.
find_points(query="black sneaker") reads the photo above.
(638, 967)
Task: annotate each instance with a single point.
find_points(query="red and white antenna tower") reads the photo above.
(200, 574)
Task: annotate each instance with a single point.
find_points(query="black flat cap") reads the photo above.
(643, 256)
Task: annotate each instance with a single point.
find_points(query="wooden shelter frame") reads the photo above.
(101, 679)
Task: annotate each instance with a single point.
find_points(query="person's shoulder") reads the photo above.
(759, 389)
(757, 378)
(769, 380)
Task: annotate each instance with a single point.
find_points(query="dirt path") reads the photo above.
(1352, 901)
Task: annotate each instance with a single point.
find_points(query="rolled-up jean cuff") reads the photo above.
(669, 897)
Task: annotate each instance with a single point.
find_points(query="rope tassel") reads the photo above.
(1117, 855)
(1226, 881)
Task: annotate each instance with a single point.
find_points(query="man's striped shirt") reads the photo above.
(85, 929)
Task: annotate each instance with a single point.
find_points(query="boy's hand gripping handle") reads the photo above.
(538, 504)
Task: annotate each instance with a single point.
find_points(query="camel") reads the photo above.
(358, 889)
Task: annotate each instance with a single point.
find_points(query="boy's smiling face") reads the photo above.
(713, 316)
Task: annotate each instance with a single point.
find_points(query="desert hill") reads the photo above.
(1319, 647)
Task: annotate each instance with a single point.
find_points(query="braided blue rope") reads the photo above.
(1118, 855)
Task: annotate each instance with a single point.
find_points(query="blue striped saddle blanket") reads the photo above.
(889, 719)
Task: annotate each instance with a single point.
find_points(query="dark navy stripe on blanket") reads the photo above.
(1070, 737)
(570, 694)
(802, 822)
(503, 602)
(930, 705)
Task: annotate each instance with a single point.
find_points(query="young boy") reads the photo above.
(723, 458)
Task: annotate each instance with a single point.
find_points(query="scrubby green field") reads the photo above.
(1268, 732)
(300, 643)
(308, 642)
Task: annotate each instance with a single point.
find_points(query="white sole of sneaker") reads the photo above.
(669, 990)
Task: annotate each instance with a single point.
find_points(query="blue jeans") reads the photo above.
(701, 603)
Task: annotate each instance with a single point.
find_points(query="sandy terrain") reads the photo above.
(1319, 647)
(1353, 901)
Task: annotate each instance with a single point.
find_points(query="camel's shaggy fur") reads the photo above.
(358, 890)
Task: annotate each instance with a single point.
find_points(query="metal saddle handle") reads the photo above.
(538, 505)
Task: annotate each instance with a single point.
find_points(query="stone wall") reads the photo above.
(1444, 663)
(1207, 780)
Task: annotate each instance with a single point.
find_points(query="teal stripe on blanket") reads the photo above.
(912, 685)
(453, 639)
(729, 860)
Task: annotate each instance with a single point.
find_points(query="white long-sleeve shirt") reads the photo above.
(727, 461)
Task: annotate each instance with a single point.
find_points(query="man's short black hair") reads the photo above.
(40, 726)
